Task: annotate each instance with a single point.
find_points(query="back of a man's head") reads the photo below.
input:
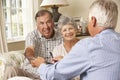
(105, 12)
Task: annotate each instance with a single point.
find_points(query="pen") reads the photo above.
(51, 54)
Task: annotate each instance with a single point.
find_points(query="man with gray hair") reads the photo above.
(93, 58)
(39, 42)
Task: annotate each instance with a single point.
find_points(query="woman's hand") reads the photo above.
(37, 61)
(57, 58)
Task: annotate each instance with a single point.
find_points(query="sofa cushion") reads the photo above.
(14, 58)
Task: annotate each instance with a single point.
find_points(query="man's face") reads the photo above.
(90, 26)
(45, 25)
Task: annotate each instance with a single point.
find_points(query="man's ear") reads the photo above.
(93, 19)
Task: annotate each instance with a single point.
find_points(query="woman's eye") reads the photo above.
(70, 28)
(64, 30)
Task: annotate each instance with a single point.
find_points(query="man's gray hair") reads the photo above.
(106, 13)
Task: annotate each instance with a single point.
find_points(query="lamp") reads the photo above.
(54, 4)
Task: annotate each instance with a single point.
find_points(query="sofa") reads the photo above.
(14, 58)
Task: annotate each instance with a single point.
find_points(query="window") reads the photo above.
(18, 18)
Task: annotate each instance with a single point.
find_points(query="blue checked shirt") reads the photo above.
(42, 47)
(93, 58)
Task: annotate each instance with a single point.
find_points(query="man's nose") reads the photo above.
(45, 25)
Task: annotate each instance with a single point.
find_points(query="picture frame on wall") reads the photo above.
(81, 26)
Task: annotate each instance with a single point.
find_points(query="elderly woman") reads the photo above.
(68, 29)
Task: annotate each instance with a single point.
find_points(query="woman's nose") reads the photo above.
(68, 31)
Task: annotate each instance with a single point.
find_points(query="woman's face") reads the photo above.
(68, 32)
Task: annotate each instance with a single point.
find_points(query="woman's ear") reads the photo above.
(93, 19)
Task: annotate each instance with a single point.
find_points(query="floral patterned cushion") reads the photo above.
(12, 58)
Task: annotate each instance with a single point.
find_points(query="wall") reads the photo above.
(76, 8)
(13, 46)
(79, 8)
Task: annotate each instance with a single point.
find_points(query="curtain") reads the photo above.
(3, 41)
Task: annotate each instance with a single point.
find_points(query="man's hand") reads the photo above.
(37, 61)
(29, 53)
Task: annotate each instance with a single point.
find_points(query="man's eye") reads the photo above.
(48, 22)
(41, 23)
(70, 28)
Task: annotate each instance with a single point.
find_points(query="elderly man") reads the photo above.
(39, 42)
(93, 58)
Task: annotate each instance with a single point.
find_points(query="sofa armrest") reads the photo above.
(14, 58)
